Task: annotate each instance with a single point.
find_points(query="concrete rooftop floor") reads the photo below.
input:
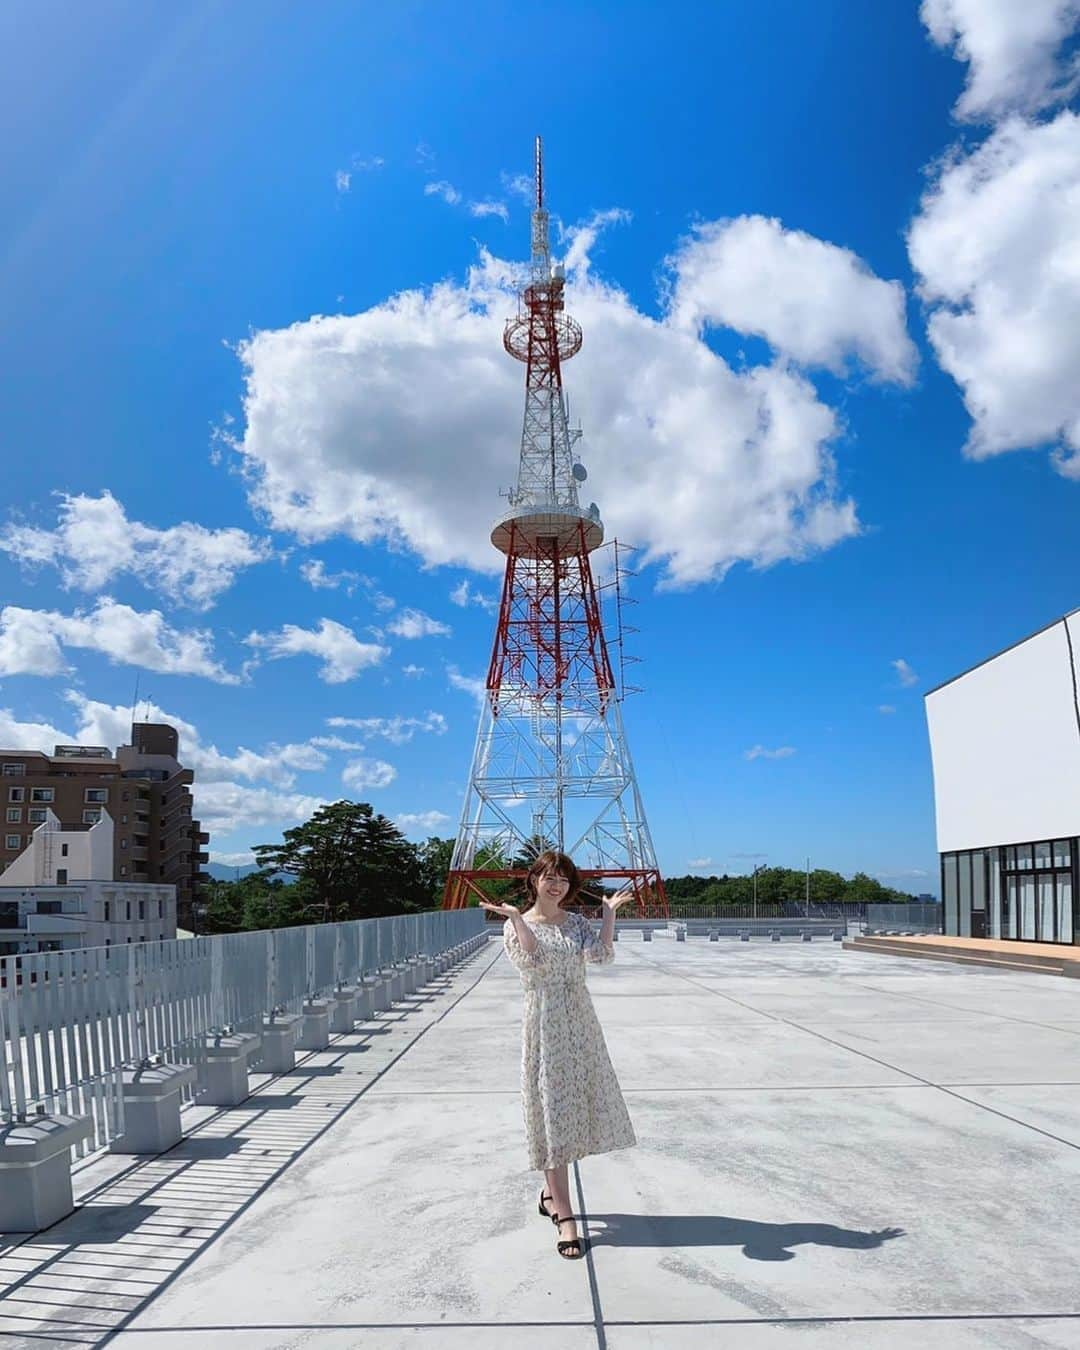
(835, 1149)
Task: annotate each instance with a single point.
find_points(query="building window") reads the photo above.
(125, 796)
(61, 876)
(108, 910)
(123, 819)
(950, 885)
(92, 816)
(123, 843)
(96, 795)
(1062, 853)
(14, 815)
(16, 794)
(41, 794)
(36, 815)
(63, 850)
(142, 909)
(14, 770)
(123, 869)
(13, 841)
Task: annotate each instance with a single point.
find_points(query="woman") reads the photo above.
(571, 1098)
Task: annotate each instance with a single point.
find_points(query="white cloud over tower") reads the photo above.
(405, 414)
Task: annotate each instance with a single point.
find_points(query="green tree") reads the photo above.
(354, 864)
(433, 859)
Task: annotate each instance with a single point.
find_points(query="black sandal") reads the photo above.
(563, 1247)
(544, 1195)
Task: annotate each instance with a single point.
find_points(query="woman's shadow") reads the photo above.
(759, 1241)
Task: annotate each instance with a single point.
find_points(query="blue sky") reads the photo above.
(825, 260)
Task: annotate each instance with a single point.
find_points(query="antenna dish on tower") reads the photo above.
(579, 471)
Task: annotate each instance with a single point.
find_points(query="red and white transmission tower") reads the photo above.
(551, 768)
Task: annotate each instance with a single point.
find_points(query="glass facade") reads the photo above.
(1022, 891)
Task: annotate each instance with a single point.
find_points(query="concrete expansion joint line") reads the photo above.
(951, 1007)
(873, 1059)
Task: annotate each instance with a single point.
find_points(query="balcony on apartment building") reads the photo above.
(55, 924)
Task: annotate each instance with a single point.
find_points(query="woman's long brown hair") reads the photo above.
(553, 861)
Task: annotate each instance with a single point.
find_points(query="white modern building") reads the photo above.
(59, 892)
(1005, 745)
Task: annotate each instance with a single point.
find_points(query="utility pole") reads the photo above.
(808, 888)
(759, 868)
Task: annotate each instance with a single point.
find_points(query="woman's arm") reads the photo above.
(524, 934)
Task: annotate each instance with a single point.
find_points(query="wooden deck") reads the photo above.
(1044, 958)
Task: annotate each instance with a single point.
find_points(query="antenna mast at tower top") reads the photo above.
(541, 245)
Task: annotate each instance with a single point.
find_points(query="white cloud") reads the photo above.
(397, 730)
(413, 623)
(342, 655)
(343, 177)
(225, 807)
(996, 247)
(519, 185)
(245, 858)
(368, 773)
(1013, 48)
(468, 684)
(698, 864)
(886, 708)
(905, 674)
(412, 672)
(336, 743)
(449, 194)
(94, 542)
(453, 197)
(760, 752)
(319, 579)
(816, 302)
(32, 641)
(421, 820)
(490, 208)
(464, 595)
(742, 460)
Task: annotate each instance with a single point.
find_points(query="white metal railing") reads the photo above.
(71, 1021)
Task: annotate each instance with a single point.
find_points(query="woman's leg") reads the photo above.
(558, 1184)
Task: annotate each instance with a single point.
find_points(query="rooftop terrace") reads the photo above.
(835, 1149)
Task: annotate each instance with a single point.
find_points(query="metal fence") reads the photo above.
(72, 1021)
(913, 918)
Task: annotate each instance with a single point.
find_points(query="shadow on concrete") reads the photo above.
(201, 1148)
(759, 1241)
(83, 1280)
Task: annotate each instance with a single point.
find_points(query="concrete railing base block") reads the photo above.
(279, 1043)
(152, 1107)
(35, 1170)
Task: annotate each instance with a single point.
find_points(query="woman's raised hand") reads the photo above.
(507, 911)
(620, 898)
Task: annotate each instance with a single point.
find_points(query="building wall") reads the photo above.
(1005, 744)
(144, 788)
(84, 914)
(55, 854)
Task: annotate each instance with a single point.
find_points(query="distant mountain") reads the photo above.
(221, 872)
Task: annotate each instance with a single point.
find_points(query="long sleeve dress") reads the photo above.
(569, 1093)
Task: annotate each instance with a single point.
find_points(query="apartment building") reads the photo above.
(143, 788)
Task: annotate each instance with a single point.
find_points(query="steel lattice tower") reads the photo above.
(551, 768)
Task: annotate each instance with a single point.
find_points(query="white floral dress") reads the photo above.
(569, 1093)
